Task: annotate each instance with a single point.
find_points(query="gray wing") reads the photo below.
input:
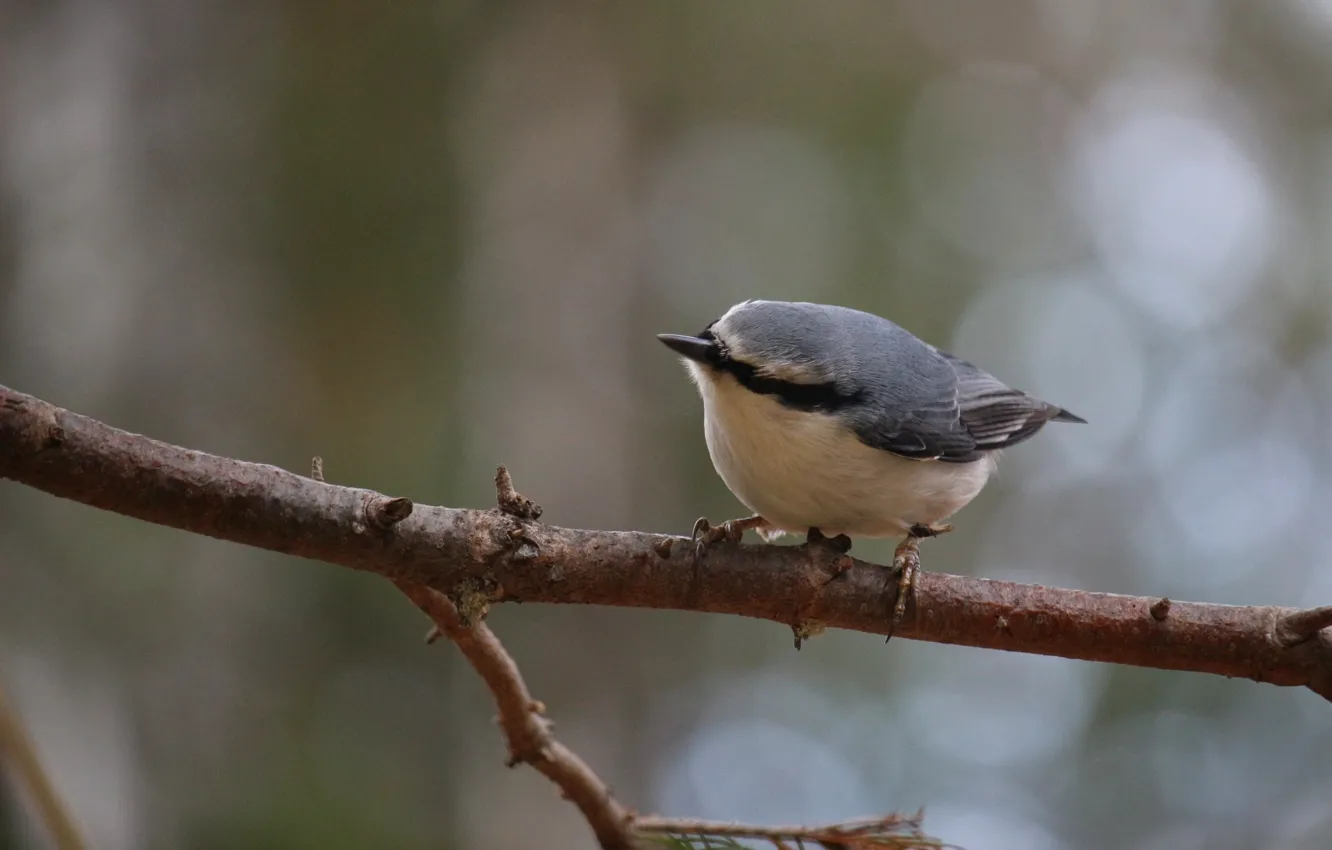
(957, 414)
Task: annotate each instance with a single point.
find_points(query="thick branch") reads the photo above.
(489, 556)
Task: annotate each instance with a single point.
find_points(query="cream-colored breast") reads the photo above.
(801, 470)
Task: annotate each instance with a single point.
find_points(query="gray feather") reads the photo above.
(901, 394)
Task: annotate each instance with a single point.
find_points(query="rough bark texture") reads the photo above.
(482, 556)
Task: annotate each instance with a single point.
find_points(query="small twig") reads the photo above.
(510, 501)
(1160, 609)
(525, 729)
(890, 831)
(20, 754)
(1299, 626)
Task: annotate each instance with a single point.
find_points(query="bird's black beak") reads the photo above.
(698, 350)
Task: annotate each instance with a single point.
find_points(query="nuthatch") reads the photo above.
(830, 421)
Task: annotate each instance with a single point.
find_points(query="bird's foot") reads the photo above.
(705, 533)
(906, 563)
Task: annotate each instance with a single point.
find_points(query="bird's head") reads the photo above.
(775, 341)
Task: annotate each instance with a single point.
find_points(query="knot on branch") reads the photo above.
(803, 630)
(1160, 609)
(827, 561)
(533, 744)
(381, 512)
(37, 425)
(524, 548)
(472, 598)
(1297, 627)
(384, 512)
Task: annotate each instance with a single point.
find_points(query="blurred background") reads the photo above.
(420, 239)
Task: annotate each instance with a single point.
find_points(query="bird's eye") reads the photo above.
(719, 353)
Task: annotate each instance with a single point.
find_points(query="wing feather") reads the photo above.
(958, 415)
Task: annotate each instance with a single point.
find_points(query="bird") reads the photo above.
(838, 423)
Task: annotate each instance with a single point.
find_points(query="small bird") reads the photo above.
(833, 422)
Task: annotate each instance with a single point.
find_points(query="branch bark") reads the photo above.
(477, 557)
(893, 832)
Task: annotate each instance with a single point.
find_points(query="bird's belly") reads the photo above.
(801, 470)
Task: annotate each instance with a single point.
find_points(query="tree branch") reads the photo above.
(527, 733)
(893, 832)
(526, 729)
(479, 557)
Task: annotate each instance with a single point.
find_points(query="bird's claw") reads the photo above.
(702, 528)
(921, 532)
(906, 563)
(705, 533)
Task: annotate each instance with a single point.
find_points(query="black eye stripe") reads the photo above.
(813, 397)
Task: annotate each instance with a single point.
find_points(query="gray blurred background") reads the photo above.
(420, 239)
